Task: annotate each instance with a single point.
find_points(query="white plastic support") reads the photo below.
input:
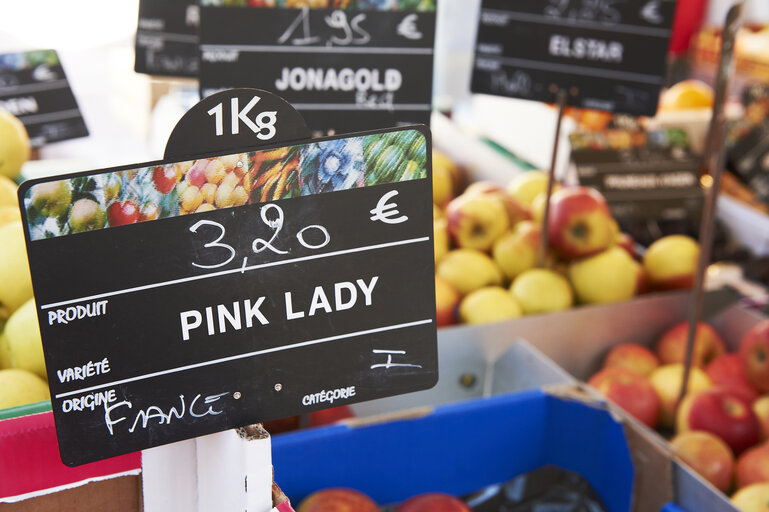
(224, 472)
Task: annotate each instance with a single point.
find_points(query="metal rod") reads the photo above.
(562, 96)
(714, 160)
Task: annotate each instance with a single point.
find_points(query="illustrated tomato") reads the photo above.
(122, 213)
(164, 178)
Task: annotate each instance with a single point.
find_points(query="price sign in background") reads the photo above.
(167, 38)
(612, 51)
(344, 69)
(183, 298)
(644, 184)
(34, 88)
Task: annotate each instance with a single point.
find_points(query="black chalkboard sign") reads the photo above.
(185, 297)
(34, 88)
(612, 52)
(167, 38)
(343, 69)
(642, 184)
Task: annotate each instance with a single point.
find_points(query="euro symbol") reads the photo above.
(384, 210)
(650, 12)
(408, 27)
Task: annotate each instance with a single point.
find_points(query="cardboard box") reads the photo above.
(32, 476)
(461, 448)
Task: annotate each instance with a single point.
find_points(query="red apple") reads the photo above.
(707, 455)
(723, 413)
(726, 371)
(433, 502)
(631, 391)
(580, 223)
(446, 301)
(761, 408)
(708, 345)
(754, 351)
(337, 500)
(122, 213)
(753, 466)
(633, 357)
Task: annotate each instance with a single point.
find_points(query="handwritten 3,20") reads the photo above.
(312, 237)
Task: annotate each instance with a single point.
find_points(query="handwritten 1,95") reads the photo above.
(349, 31)
(311, 237)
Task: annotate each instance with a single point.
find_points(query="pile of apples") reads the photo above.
(349, 500)
(22, 368)
(487, 243)
(722, 425)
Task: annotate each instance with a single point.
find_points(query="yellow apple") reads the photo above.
(686, 95)
(24, 341)
(466, 270)
(437, 212)
(20, 387)
(609, 276)
(488, 304)
(440, 239)
(476, 221)
(539, 290)
(8, 189)
(446, 301)
(9, 214)
(527, 185)
(538, 207)
(667, 380)
(15, 280)
(5, 351)
(517, 250)
(14, 145)
(444, 176)
(752, 498)
(671, 262)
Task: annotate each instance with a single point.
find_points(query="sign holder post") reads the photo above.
(562, 97)
(229, 470)
(714, 160)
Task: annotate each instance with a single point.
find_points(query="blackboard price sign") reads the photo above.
(343, 69)
(643, 184)
(185, 297)
(610, 52)
(34, 88)
(167, 38)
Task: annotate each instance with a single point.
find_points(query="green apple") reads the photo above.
(607, 277)
(52, 198)
(539, 290)
(15, 280)
(19, 387)
(488, 304)
(24, 341)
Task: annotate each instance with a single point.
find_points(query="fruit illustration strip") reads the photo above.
(105, 200)
(373, 5)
